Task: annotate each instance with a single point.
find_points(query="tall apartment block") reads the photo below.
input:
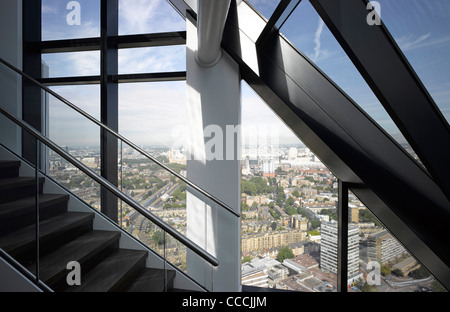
(329, 248)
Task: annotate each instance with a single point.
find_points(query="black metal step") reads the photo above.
(153, 280)
(53, 233)
(9, 168)
(66, 236)
(114, 273)
(21, 213)
(88, 250)
(15, 188)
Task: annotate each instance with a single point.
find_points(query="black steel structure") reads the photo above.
(401, 92)
(366, 160)
(342, 256)
(398, 190)
(32, 106)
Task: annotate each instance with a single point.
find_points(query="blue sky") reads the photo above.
(421, 28)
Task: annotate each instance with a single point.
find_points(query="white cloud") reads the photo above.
(47, 9)
(155, 59)
(73, 63)
(317, 42)
(412, 42)
(147, 16)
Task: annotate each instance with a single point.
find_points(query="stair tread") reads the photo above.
(17, 206)
(105, 276)
(14, 182)
(49, 227)
(53, 265)
(9, 163)
(151, 280)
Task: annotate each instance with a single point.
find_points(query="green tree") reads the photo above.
(366, 216)
(315, 223)
(369, 288)
(246, 259)
(279, 201)
(285, 253)
(385, 270)
(275, 214)
(158, 237)
(290, 201)
(313, 232)
(419, 273)
(273, 225)
(256, 186)
(290, 210)
(397, 272)
(296, 193)
(281, 192)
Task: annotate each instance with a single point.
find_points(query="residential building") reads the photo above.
(270, 240)
(298, 222)
(382, 247)
(329, 247)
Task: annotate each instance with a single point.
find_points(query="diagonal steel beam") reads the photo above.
(393, 80)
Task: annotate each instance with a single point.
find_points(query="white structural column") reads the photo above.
(214, 109)
(212, 16)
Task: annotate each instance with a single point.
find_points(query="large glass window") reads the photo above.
(383, 264)
(265, 7)
(72, 64)
(153, 113)
(288, 201)
(421, 29)
(70, 19)
(154, 59)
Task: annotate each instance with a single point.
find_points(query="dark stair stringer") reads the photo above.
(68, 236)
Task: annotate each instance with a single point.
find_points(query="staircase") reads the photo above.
(68, 236)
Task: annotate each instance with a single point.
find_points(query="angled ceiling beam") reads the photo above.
(211, 18)
(393, 80)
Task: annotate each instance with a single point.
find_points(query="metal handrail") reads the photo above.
(179, 176)
(22, 270)
(113, 189)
